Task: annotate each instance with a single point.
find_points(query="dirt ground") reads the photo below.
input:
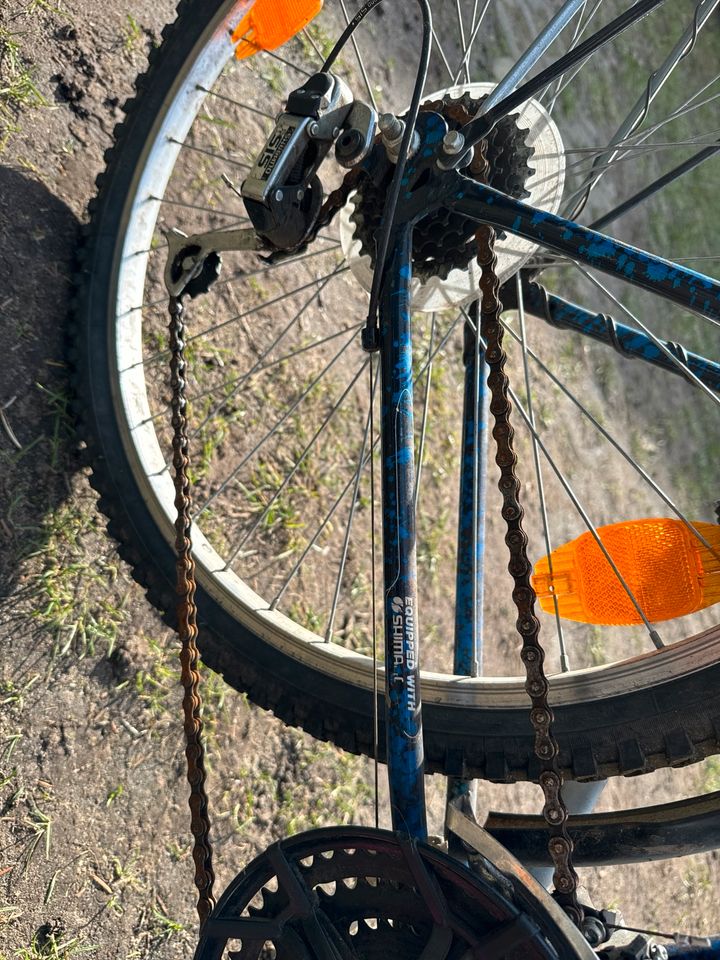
(94, 838)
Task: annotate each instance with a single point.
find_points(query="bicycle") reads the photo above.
(608, 720)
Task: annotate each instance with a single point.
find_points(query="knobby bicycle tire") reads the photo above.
(643, 718)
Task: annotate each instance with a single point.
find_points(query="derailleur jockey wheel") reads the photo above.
(362, 894)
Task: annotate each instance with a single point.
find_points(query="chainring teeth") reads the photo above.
(368, 903)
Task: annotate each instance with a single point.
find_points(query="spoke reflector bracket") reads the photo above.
(271, 23)
(668, 569)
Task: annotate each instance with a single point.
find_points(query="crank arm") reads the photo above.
(189, 256)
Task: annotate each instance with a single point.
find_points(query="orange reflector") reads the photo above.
(669, 571)
(271, 23)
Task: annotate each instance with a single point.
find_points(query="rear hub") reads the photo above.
(525, 156)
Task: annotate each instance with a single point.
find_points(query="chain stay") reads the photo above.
(555, 812)
(187, 622)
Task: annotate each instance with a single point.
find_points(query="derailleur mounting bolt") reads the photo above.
(453, 143)
(391, 127)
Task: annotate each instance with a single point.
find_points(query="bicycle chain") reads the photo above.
(555, 812)
(187, 621)
(186, 584)
(560, 844)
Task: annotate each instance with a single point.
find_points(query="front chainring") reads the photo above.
(354, 893)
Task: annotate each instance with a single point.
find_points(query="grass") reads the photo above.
(52, 947)
(164, 927)
(257, 793)
(72, 596)
(157, 686)
(709, 775)
(18, 89)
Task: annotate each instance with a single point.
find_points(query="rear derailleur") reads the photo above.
(283, 194)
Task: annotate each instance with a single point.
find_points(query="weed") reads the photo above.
(123, 877)
(158, 688)
(164, 927)
(132, 34)
(13, 695)
(598, 655)
(7, 915)
(39, 824)
(430, 541)
(57, 11)
(274, 76)
(304, 614)
(9, 747)
(62, 423)
(710, 775)
(114, 794)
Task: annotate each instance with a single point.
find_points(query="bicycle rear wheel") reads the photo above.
(281, 413)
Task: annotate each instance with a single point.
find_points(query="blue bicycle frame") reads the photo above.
(673, 282)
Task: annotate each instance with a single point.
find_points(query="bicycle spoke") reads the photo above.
(258, 370)
(333, 510)
(641, 472)
(564, 661)
(295, 320)
(353, 506)
(237, 103)
(212, 153)
(423, 426)
(361, 62)
(655, 187)
(507, 96)
(318, 533)
(654, 635)
(274, 429)
(463, 43)
(629, 156)
(580, 28)
(197, 206)
(308, 36)
(163, 354)
(465, 65)
(288, 63)
(443, 56)
(657, 80)
(298, 463)
(239, 277)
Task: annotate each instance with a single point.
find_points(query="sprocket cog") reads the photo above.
(445, 241)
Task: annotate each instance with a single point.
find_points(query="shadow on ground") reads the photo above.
(39, 238)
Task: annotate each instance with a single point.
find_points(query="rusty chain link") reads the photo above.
(560, 844)
(186, 609)
(187, 622)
